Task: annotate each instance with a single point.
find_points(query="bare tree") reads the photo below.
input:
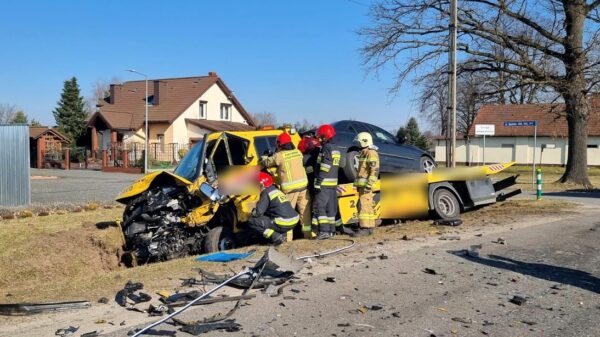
(265, 118)
(100, 91)
(303, 126)
(542, 44)
(7, 113)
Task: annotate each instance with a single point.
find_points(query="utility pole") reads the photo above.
(451, 158)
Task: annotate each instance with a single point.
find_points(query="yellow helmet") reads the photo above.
(364, 139)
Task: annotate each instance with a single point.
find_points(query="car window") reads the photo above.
(265, 145)
(382, 135)
(359, 127)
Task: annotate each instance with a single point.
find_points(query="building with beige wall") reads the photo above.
(177, 109)
(516, 143)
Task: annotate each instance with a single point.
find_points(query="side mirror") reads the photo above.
(210, 192)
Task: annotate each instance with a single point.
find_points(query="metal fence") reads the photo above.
(14, 165)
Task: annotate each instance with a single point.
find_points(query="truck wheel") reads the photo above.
(217, 239)
(446, 204)
(351, 165)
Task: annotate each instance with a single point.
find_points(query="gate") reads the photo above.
(14, 165)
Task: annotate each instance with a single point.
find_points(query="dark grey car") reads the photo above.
(395, 157)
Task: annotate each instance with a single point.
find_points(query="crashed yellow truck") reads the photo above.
(174, 214)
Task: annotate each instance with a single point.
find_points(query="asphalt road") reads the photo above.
(554, 265)
(77, 185)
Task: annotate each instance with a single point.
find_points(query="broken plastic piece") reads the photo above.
(34, 308)
(91, 334)
(66, 331)
(200, 328)
(123, 294)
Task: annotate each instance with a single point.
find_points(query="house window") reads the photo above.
(202, 110)
(225, 112)
(592, 146)
(160, 141)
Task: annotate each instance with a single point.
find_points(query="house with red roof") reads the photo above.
(512, 142)
(180, 112)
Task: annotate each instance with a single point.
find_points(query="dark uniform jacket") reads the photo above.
(326, 171)
(274, 204)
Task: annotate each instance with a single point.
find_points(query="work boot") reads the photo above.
(344, 230)
(277, 239)
(324, 236)
(362, 232)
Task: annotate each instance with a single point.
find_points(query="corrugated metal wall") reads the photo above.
(14, 165)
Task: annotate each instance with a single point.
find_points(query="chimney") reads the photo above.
(212, 74)
(115, 93)
(156, 98)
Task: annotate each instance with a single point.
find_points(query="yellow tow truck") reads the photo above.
(170, 215)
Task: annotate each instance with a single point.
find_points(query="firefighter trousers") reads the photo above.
(325, 207)
(301, 202)
(366, 208)
(265, 226)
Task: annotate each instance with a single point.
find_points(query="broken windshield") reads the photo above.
(189, 167)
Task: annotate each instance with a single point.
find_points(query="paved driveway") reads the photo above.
(77, 185)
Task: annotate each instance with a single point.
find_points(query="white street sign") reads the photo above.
(485, 129)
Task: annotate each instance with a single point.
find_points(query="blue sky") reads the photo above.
(296, 59)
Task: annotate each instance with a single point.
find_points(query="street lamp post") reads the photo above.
(146, 135)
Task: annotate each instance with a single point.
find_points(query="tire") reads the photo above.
(446, 205)
(351, 165)
(427, 164)
(218, 239)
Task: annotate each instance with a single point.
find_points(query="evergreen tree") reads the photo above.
(70, 114)
(411, 135)
(19, 118)
(34, 122)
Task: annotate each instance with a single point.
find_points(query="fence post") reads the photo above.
(539, 184)
(125, 156)
(67, 159)
(104, 159)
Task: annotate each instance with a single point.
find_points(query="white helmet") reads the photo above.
(364, 139)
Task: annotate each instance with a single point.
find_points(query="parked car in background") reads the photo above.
(395, 157)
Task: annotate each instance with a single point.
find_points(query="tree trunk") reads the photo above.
(574, 93)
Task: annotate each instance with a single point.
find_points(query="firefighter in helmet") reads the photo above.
(326, 181)
(273, 215)
(368, 172)
(288, 162)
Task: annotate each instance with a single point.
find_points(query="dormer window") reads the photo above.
(202, 109)
(225, 112)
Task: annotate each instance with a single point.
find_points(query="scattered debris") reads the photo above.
(373, 307)
(557, 287)
(500, 241)
(493, 284)
(123, 294)
(383, 257)
(100, 321)
(448, 222)
(200, 328)
(430, 271)
(449, 237)
(462, 320)
(34, 308)
(518, 300)
(152, 332)
(406, 238)
(343, 325)
(157, 311)
(330, 279)
(164, 293)
(66, 331)
(529, 322)
(441, 309)
(190, 282)
(178, 297)
(103, 300)
(91, 334)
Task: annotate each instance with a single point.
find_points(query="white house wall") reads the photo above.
(521, 151)
(214, 96)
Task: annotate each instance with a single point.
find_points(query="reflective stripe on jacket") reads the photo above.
(368, 167)
(274, 204)
(290, 169)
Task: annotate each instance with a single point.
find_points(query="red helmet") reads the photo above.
(325, 131)
(283, 139)
(265, 179)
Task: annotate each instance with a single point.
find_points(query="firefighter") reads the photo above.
(326, 180)
(368, 171)
(293, 181)
(310, 149)
(273, 215)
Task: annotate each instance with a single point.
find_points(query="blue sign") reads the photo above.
(521, 123)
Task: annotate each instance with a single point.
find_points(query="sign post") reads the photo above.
(485, 130)
(535, 125)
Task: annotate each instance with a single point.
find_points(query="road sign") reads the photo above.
(521, 123)
(485, 129)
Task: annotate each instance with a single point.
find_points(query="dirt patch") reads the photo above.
(44, 177)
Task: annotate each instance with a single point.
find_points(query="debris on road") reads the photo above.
(463, 320)
(518, 300)
(66, 331)
(200, 328)
(500, 241)
(449, 237)
(129, 289)
(330, 279)
(448, 222)
(430, 271)
(103, 300)
(91, 334)
(35, 308)
(224, 256)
